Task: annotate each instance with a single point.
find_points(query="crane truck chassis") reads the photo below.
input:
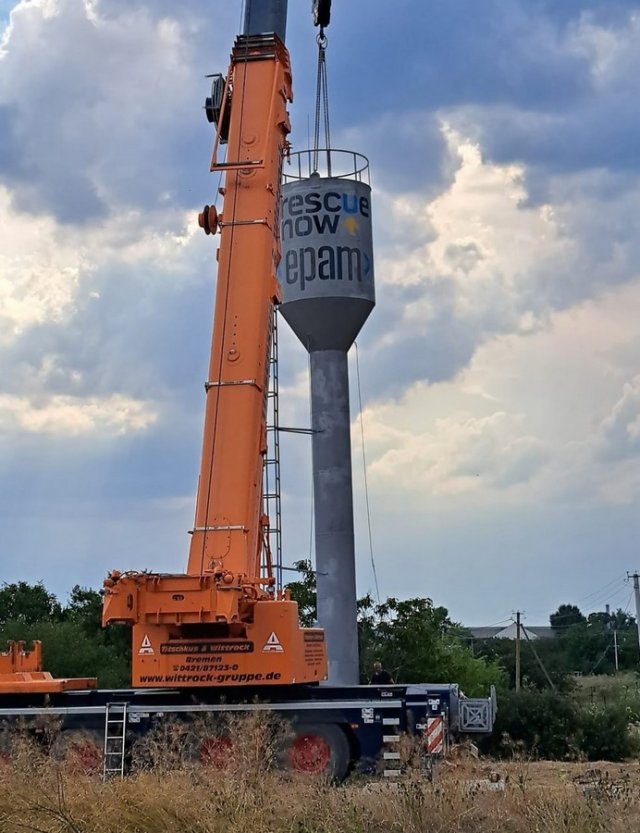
(334, 730)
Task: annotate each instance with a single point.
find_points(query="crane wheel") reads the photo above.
(81, 751)
(318, 749)
(211, 750)
(215, 752)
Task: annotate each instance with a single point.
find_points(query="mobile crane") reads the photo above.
(221, 623)
(220, 637)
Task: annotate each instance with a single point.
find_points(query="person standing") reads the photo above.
(380, 676)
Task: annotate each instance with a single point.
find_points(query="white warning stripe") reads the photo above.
(435, 735)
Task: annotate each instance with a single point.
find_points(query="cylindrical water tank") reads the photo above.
(326, 269)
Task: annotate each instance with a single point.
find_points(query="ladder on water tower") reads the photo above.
(115, 732)
(271, 481)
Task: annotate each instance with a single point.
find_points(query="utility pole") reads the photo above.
(611, 625)
(518, 673)
(636, 593)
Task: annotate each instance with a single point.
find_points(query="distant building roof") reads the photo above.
(484, 633)
(509, 632)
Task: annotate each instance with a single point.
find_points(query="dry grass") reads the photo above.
(171, 794)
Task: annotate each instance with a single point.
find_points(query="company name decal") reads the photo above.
(238, 647)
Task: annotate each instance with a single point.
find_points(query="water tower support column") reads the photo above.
(333, 512)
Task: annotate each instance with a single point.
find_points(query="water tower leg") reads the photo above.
(333, 502)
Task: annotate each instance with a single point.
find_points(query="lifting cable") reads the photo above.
(322, 105)
(366, 483)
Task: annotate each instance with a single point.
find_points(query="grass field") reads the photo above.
(45, 799)
(46, 796)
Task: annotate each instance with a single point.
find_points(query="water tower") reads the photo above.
(326, 274)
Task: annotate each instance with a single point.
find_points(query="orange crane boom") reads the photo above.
(227, 533)
(221, 622)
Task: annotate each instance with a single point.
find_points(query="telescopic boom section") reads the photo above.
(220, 623)
(227, 535)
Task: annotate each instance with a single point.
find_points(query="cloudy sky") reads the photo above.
(500, 371)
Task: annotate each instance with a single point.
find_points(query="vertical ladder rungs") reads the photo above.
(115, 735)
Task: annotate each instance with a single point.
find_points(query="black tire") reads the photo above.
(320, 749)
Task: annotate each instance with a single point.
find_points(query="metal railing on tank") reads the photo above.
(326, 163)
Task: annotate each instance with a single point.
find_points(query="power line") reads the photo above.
(540, 662)
(601, 589)
(569, 615)
(497, 624)
(605, 595)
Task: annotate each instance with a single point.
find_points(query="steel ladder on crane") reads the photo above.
(272, 490)
(115, 733)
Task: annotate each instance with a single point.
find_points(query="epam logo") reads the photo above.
(328, 263)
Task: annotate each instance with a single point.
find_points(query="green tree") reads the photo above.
(543, 724)
(413, 639)
(622, 621)
(27, 603)
(604, 734)
(303, 592)
(566, 616)
(548, 724)
(418, 642)
(85, 607)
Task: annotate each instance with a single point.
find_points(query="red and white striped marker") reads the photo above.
(435, 735)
